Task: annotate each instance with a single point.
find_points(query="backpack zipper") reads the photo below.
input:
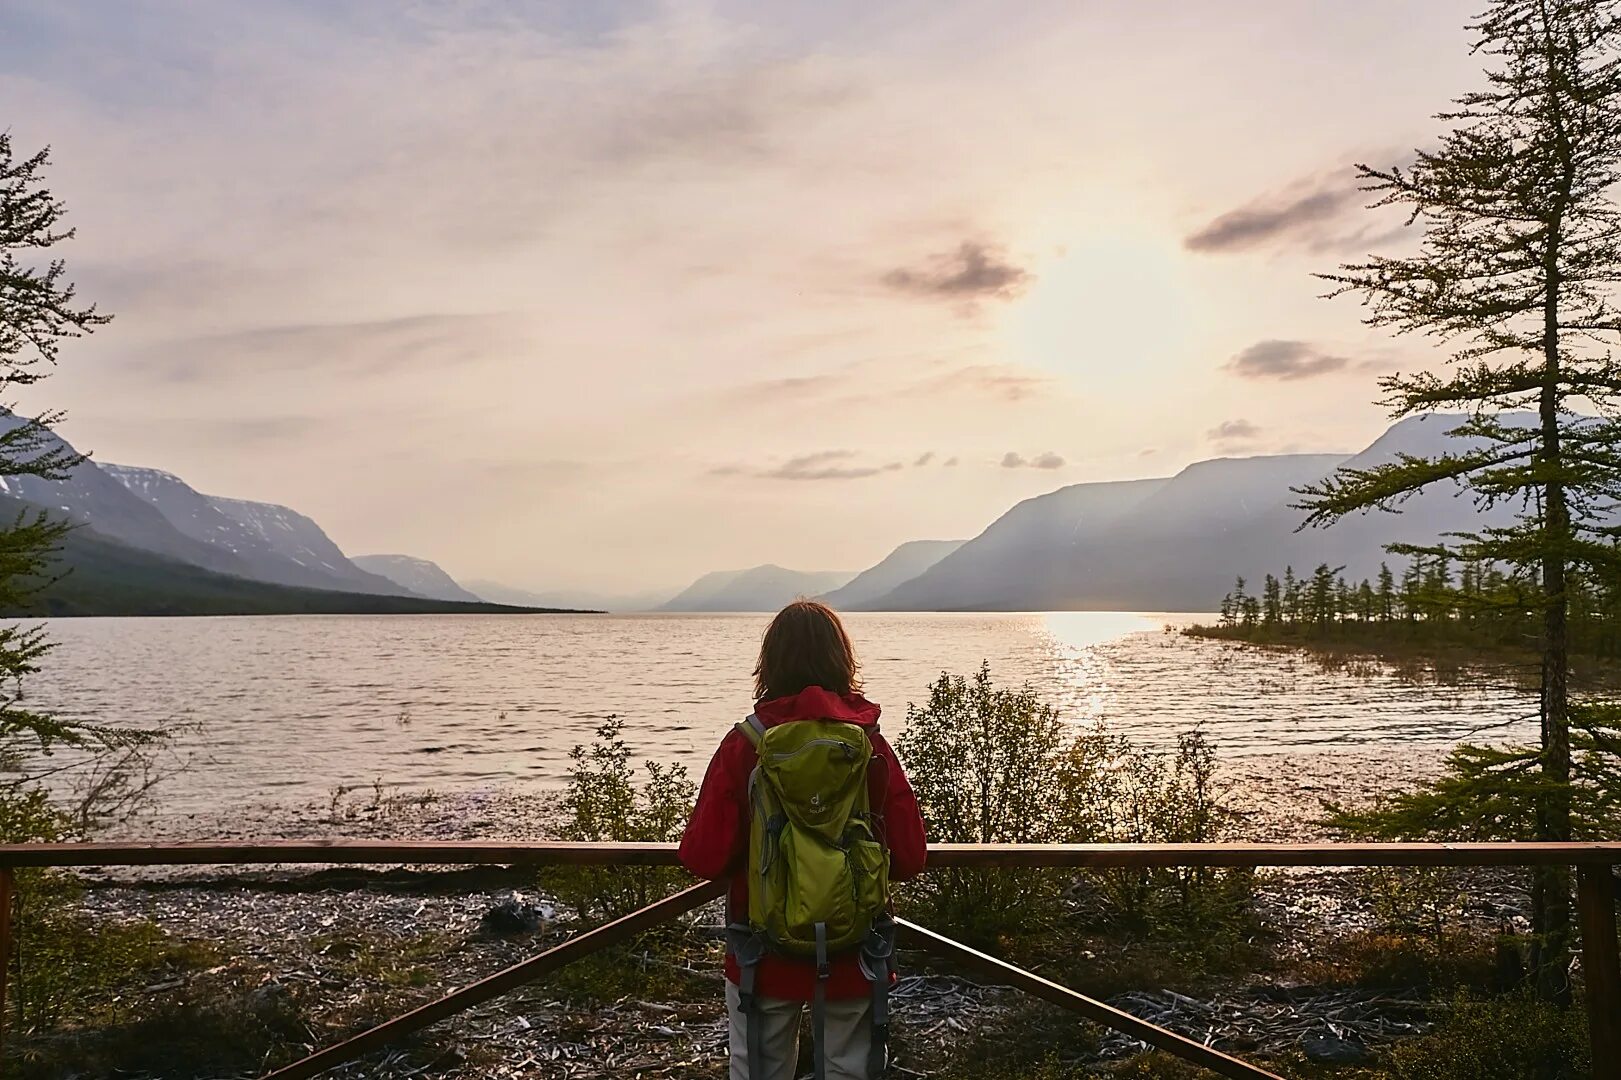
(849, 751)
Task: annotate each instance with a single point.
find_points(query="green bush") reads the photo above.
(987, 765)
(992, 765)
(1494, 1040)
(607, 801)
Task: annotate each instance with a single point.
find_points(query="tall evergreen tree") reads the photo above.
(38, 311)
(1520, 254)
(1387, 593)
(1293, 612)
(1271, 601)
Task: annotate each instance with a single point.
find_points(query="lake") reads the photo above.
(288, 708)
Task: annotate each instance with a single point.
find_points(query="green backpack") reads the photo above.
(818, 870)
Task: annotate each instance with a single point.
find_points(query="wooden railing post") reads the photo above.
(1601, 968)
(8, 883)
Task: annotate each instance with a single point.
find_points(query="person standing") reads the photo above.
(806, 808)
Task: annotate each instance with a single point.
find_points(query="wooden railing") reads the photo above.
(1594, 862)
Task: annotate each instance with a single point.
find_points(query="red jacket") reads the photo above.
(716, 841)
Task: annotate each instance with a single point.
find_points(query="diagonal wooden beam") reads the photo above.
(1062, 996)
(504, 981)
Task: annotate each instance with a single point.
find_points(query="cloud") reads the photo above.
(1233, 431)
(1322, 212)
(923, 459)
(1275, 220)
(997, 380)
(792, 386)
(1015, 460)
(822, 465)
(973, 272)
(1288, 360)
(950, 463)
(370, 348)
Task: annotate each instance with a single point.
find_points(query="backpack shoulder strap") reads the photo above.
(753, 729)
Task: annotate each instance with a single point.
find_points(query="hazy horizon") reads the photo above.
(612, 296)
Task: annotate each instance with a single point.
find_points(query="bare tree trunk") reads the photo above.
(1552, 921)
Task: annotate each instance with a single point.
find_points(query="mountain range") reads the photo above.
(422, 577)
(759, 588)
(894, 570)
(1171, 543)
(1176, 543)
(146, 542)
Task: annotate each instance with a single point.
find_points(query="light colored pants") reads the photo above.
(848, 1031)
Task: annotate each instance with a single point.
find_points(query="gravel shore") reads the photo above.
(325, 935)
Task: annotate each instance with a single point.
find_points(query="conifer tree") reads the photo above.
(38, 312)
(1386, 594)
(1366, 602)
(1271, 601)
(1292, 609)
(1520, 253)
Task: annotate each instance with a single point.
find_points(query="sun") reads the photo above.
(1104, 306)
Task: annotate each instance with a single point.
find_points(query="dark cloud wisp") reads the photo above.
(1276, 220)
(1289, 360)
(822, 465)
(973, 272)
(1322, 213)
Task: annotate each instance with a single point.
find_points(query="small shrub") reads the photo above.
(986, 764)
(1132, 796)
(1492, 1040)
(607, 801)
(993, 765)
(1381, 959)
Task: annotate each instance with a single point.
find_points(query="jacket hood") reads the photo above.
(815, 703)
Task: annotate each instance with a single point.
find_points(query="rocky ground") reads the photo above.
(352, 947)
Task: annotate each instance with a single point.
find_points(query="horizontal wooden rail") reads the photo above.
(1597, 901)
(941, 856)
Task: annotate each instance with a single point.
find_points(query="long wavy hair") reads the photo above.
(805, 645)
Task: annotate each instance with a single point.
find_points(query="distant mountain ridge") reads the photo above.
(1177, 543)
(90, 496)
(759, 588)
(583, 599)
(895, 569)
(93, 574)
(146, 542)
(299, 539)
(1019, 553)
(1165, 543)
(419, 576)
(262, 554)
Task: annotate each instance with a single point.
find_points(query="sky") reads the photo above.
(610, 295)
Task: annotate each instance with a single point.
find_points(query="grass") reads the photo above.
(391, 962)
(666, 966)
